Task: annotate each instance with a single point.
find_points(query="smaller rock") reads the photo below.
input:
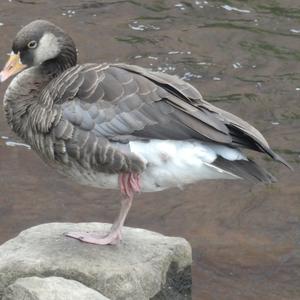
(50, 288)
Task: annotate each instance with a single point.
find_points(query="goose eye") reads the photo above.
(32, 44)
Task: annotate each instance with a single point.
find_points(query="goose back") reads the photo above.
(109, 105)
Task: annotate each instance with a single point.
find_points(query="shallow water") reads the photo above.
(244, 57)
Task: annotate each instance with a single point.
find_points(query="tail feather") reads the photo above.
(246, 169)
(277, 157)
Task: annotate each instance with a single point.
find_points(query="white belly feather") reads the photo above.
(177, 163)
(171, 164)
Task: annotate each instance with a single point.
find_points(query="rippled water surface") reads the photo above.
(244, 57)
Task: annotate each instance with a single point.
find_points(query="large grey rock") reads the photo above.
(146, 265)
(51, 288)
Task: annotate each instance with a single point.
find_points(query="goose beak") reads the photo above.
(12, 67)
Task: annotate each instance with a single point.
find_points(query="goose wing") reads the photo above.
(238, 133)
(102, 106)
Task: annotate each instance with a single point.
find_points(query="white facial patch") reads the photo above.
(48, 48)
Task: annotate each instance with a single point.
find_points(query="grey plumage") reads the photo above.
(246, 169)
(82, 114)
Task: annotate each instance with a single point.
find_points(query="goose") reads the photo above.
(120, 126)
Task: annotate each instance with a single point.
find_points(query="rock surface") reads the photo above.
(51, 288)
(146, 265)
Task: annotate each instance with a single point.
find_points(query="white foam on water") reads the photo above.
(231, 8)
(180, 6)
(16, 144)
(237, 65)
(203, 63)
(179, 52)
(189, 76)
(166, 68)
(69, 13)
(141, 27)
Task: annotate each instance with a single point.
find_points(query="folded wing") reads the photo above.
(109, 105)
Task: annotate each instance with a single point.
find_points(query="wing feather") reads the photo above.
(102, 105)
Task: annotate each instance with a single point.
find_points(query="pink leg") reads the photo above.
(129, 184)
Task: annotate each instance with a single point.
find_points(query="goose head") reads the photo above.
(40, 43)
